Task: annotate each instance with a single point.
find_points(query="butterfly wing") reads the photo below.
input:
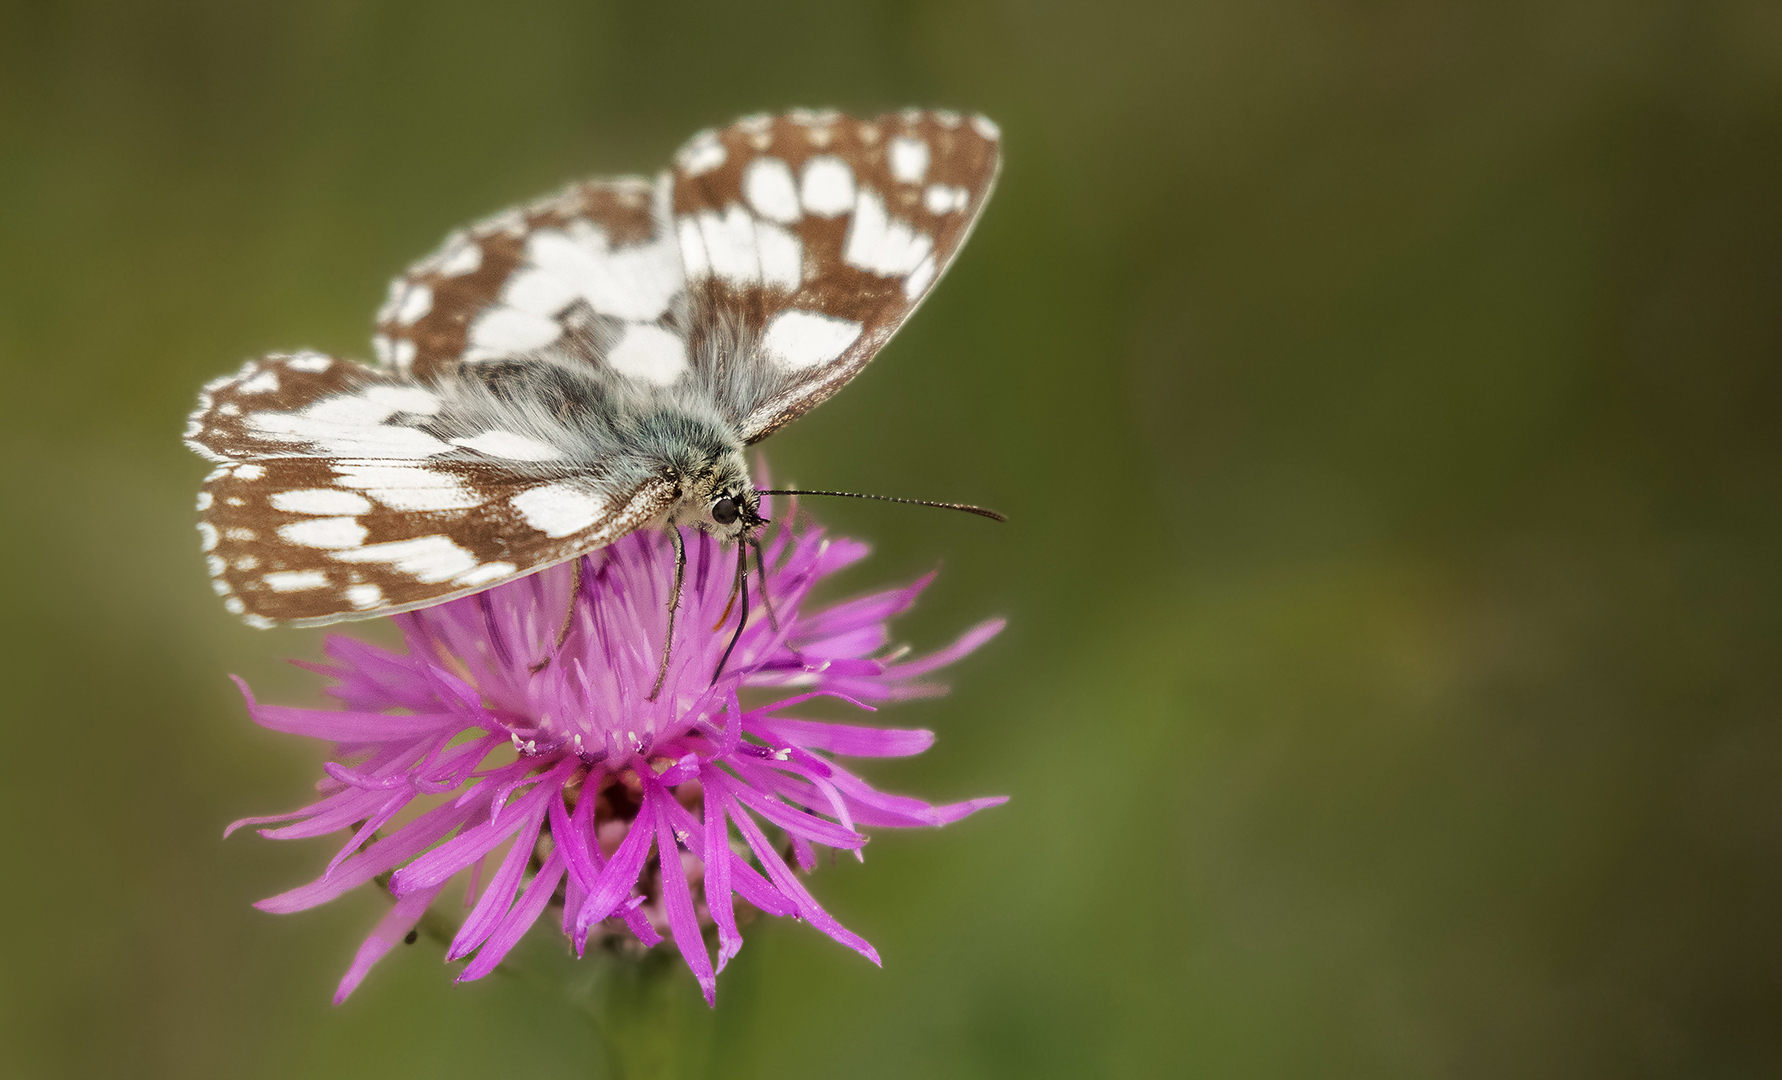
(774, 260)
(589, 272)
(343, 492)
(807, 239)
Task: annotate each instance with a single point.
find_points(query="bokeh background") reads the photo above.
(1385, 394)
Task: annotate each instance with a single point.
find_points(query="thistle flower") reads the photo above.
(521, 717)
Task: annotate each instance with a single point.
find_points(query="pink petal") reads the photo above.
(393, 927)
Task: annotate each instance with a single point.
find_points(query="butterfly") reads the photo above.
(584, 366)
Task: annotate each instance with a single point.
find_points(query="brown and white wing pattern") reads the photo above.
(816, 235)
(340, 492)
(746, 284)
(586, 272)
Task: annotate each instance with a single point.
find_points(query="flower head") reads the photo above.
(516, 745)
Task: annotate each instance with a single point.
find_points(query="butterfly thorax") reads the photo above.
(611, 435)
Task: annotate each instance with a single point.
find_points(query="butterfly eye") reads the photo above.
(724, 511)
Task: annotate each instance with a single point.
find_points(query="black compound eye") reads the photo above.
(724, 511)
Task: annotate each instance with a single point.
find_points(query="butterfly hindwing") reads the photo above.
(343, 492)
(819, 234)
(573, 273)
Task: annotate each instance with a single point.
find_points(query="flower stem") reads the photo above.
(634, 1002)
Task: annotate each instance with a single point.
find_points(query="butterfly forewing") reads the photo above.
(343, 492)
(819, 234)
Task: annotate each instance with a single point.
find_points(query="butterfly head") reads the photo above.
(721, 501)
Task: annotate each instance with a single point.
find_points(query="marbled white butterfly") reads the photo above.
(584, 366)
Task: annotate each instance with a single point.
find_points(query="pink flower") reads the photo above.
(544, 776)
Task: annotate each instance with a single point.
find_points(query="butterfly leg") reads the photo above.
(575, 594)
(674, 601)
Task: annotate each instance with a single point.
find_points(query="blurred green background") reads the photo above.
(1385, 394)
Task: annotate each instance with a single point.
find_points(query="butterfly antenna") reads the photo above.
(967, 507)
(742, 585)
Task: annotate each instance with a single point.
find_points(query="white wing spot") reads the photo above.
(207, 536)
(509, 221)
(461, 256)
(730, 245)
(320, 501)
(559, 509)
(880, 244)
(266, 382)
(828, 186)
(352, 425)
(240, 535)
(781, 254)
(312, 363)
(798, 339)
(416, 302)
(703, 154)
(637, 281)
(328, 532)
(986, 127)
(538, 291)
(485, 573)
(909, 159)
(944, 199)
(402, 354)
(392, 301)
(381, 346)
(233, 605)
(771, 191)
(919, 279)
(425, 558)
(650, 353)
(249, 473)
(204, 501)
(504, 331)
(506, 444)
(408, 399)
(364, 596)
(409, 488)
(946, 118)
(295, 580)
(693, 255)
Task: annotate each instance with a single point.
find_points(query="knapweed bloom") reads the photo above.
(514, 746)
